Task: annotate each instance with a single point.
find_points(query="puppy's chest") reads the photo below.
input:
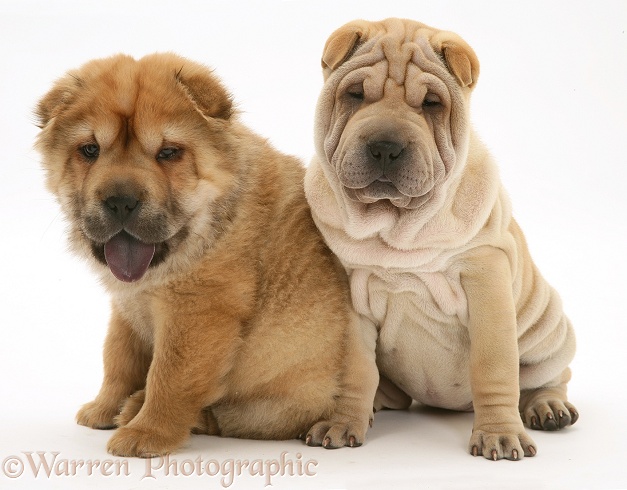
(138, 311)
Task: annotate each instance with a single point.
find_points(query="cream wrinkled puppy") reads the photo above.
(411, 202)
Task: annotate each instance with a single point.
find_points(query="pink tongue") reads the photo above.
(128, 258)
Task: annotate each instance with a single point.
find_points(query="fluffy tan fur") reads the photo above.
(242, 324)
(435, 259)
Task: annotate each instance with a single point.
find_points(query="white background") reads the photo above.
(551, 104)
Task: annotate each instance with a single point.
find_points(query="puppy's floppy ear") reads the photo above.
(460, 58)
(205, 91)
(59, 97)
(341, 44)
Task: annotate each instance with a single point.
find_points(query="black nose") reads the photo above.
(121, 207)
(384, 152)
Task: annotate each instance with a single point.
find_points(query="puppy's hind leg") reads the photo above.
(390, 396)
(131, 407)
(329, 407)
(353, 413)
(206, 423)
(547, 407)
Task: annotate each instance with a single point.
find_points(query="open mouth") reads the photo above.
(127, 257)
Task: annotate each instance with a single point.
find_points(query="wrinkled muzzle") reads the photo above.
(383, 156)
(126, 228)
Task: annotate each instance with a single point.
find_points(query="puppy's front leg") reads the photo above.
(498, 430)
(192, 354)
(126, 360)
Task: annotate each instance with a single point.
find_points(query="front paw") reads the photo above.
(512, 445)
(142, 442)
(98, 415)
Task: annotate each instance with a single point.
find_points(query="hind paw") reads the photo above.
(549, 414)
(332, 434)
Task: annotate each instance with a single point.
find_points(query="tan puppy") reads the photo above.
(410, 200)
(229, 314)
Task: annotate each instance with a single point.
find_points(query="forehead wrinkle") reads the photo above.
(426, 50)
(127, 89)
(103, 130)
(82, 130)
(150, 137)
(152, 132)
(427, 60)
(105, 133)
(174, 132)
(148, 120)
(398, 53)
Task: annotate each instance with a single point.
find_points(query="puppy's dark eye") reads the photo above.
(431, 101)
(91, 151)
(356, 92)
(169, 153)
